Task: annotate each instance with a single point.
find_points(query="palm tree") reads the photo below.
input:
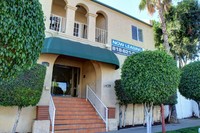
(162, 6)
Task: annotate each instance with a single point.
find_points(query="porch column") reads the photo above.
(70, 16)
(91, 19)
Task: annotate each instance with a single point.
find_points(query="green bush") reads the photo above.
(172, 100)
(21, 35)
(190, 81)
(25, 89)
(150, 77)
(122, 97)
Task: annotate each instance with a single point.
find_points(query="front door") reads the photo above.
(65, 81)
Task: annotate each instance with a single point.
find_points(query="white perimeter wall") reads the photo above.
(185, 107)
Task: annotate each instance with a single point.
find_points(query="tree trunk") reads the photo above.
(174, 115)
(181, 62)
(148, 112)
(152, 121)
(133, 114)
(144, 120)
(124, 123)
(170, 113)
(120, 116)
(198, 103)
(164, 27)
(163, 118)
(17, 119)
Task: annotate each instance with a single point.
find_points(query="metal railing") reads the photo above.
(52, 112)
(80, 30)
(99, 106)
(101, 35)
(57, 23)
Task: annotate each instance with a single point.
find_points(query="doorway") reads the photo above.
(65, 81)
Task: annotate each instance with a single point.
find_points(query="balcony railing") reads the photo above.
(101, 35)
(57, 23)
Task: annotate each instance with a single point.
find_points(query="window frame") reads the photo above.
(137, 30)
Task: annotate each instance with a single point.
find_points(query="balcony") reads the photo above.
(58, 23)
(101, 35)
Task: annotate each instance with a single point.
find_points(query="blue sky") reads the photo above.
(131, 7)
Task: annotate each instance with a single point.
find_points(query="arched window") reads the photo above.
(58, 16)
(80, 24)
(101, 34)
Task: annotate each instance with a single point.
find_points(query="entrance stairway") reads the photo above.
(76, 115)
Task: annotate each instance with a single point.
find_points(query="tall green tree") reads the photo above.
(21, 35)
(150, 77)
(162, 6)
(183, 30)
(24, 90)
(190, 82)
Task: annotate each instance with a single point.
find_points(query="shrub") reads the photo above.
(21, 35)
(150, 76)
(190, 81)
(122, 97)
(25, 89)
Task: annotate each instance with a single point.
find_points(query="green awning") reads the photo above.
(55, 45)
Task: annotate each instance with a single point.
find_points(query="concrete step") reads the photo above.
(79, 121)
(73, 106)
(58, 112)
(76, 109)
(78, 126)
(76, 115)
(71, 117)
(91, 130)
(68, 99)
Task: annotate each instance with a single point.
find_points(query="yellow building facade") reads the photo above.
(86, 44)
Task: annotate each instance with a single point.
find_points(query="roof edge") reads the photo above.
(98, 2)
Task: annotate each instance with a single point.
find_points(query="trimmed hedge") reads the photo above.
(190, 81)
(21, 35)
(150, 76)
(122, 97)
(25, 89)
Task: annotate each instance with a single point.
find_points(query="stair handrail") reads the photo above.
(97, 104)
(52, 112)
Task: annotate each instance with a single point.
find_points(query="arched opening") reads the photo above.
(80, 25)
(71, 76)
(58, 16)
(66, 76)
(101, 28)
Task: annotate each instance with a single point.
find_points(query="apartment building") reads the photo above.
(85, 46)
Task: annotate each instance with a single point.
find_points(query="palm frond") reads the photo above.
(142, 4)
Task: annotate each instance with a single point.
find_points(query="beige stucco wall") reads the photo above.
(50, 58)
(59, 10)
(7, 119)
(89, 77)
(119, 28)
(118, 25)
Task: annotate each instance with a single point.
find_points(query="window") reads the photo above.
(80, 30)
(55, 23)
(140, 35)
(76, 28)
(137, 34)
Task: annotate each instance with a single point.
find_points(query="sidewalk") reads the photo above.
(183, 123)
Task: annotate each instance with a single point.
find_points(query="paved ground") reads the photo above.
(184, 123)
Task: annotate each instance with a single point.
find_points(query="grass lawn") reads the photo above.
(186, 130)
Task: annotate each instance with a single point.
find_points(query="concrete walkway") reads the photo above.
(183, 123)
